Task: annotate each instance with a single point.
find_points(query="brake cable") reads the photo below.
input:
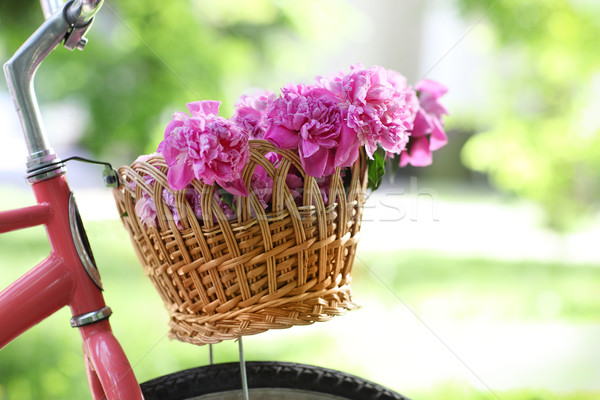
(110, 175)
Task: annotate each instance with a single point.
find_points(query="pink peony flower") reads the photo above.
(325, 184)
(261, 183)
(145, 209)
(169, 199)
(428, 131)
(309, 119)
(324, 187)
(295, 183)
(196, 203)
(417, 154)
(378, 106)
(145, 157)
(205, 146)
(250, 112)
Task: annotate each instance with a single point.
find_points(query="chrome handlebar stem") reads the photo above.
(82, 10)
(20, 72)
(49, 7)
(69, 25)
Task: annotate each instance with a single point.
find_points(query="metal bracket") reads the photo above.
(82, 245)
(76, 13)
(91, 317)
(75, 37)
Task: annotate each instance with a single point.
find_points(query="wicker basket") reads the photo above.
(222, 279)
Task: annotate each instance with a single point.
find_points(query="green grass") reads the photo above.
(524, 290)
(46, 362)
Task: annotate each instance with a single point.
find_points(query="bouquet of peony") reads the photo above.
(326, 123)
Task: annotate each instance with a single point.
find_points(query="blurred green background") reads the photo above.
(489, 291)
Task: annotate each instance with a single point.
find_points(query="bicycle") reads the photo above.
(69, 275)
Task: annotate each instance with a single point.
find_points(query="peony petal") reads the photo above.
(179, 175)
(282, 137)
(180, 116)
(420, 154)
(175, 123)
(204, 174)
(423, 124)
(397, 80)
(438, 138)
(204, 108)
(307, 148)
(294, 182)
(329, 168)
(433, 107)
(323, 94)
(146, 210)
(237, 187)
(429, 99)
(404, 159)
(168, 151)
(273, 158)
(145, 157)
(435, 88)
(316, 165)
(348, 148)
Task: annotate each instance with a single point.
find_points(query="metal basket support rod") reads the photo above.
(246, 395)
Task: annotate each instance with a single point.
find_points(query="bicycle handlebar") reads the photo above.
(49, 7)
(68, 22)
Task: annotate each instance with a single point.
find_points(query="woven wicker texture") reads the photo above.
(265, 269)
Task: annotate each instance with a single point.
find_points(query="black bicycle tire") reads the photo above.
(221, 378)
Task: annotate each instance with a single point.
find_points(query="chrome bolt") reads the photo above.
(82, 43)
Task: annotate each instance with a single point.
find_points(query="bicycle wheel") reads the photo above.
(266, 381)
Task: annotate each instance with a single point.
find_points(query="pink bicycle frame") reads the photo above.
(68, 276)
(61, 280)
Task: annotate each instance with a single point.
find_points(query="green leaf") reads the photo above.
(376, 169)
(227, 198)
